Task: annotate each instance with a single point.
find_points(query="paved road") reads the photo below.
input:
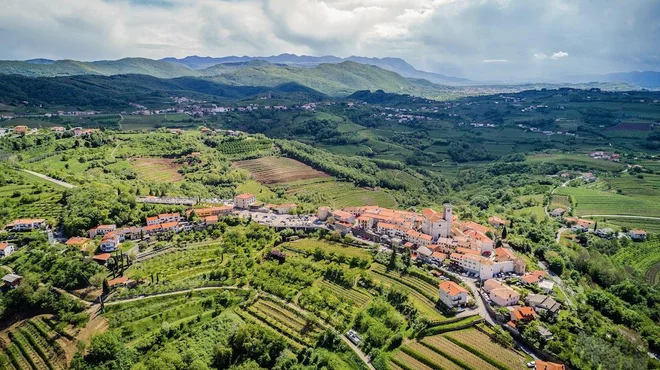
(559, 283)
(54, 181)
(559, 232)
(119, 301)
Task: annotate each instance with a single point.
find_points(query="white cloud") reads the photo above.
(558, 55)
(540, 56)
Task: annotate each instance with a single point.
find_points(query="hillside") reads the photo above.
(73, 68)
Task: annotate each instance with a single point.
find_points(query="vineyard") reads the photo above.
(643, 257)
(594, 201)
(276, 170)
(351, 296)
(337, 249)
(29, 200)
(560, 201)
(33, 345)
(461, 349)
(157, 170)
(339, 194)
(285, 320)
(423, 294)
(236, 148)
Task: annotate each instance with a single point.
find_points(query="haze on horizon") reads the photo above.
(512, 40)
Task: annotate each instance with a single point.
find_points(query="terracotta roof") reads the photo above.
(639, 231)
(342, 214)
(478, 235)
(208, 219)
(504, 292)
(4, 246)
(168, 215)
(530, 279)
(152, 227)
(431, 215)
(152, 218)
(466, 251)
(77, 241)
(475, 226)
(544, 365)
(451, 288)
(491, 284)
(244, 196)
(102, 257)
(438, 255)
(168, 225)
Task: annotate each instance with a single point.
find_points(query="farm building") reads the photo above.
(12, 280)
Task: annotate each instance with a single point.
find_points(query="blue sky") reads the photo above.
(478, 39)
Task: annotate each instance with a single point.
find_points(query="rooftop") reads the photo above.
(451, 288)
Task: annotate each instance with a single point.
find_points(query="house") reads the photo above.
(557, 212)
(24, 224)
(435, 224)
(578, 224)
(523, 314)
(21, 130)
(504, 296)
(170, 226)
(78, 242)
(452, 294)
(424, 254)
(491, 284)
(546, 286)
(606, 233)
(101, 230)
(343, 216)
(153, 220)
(530, 279)
(544, 333)
(110, 242)
(545, 365)
(6, 249)
(210, 211)
(169, 217)
(210, 220)
(496, 222)
(12, 280)
(342, 227)
(438, 257)
(418, 238)
(638, 234)
(102, 258)
(57, 129)
(542, 303)
(244, 201)
(482, 241)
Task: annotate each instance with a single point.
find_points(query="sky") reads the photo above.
(504, 40)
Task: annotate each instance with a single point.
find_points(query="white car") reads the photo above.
(531, 364)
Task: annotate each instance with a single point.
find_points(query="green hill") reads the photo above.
(114, 67)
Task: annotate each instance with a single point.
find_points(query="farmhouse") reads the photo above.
(24, 224)
(638, 234)
(244, 201)
(101, 230)
(21, 130)
(452, 294)
(6, 249)
(496, 222)
(12, 280)
(557, 212)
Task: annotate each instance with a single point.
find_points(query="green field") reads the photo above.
(29, 197)
(594, 200)
(643, 257)
(310, 245)
(578, 160)
(339, 194)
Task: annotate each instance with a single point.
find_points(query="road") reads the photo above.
(559, 283)
(359, 352)
(54, 181)
(559, 232)
(121, 119)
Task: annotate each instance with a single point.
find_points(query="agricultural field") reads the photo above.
(276, 170)
(650, 225)
(478, 341)
(337, 249)
(560, 201)
(338, 194)
(579, 161)
(33, 344)
(352, 296)
(157, 170)
(137, 122)
(25, 196)
(285, 320)
(597, 199)
(643, 257)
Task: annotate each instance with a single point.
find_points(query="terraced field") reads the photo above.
(156, 169)
(349, 295)
(643, 257)
(29, 200)
(478, 341)
(285, 320)
(277, 170)
(596, 199)
(338, 194)
(33, 345)
(456, 353)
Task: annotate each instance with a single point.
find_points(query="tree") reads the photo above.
(104, 347)
(106, 287)
(392, 265)
(595, 226)
(407, 260)
(504, 233)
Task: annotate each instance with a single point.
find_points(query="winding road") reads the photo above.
(47, 178)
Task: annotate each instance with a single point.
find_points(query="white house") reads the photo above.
(504, 296)
(244, 201)
(6, 249)
(452, 294)
(24, 224)
(101, 230)
(638, 234)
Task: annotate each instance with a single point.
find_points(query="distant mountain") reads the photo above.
(40, 61)
(397, 65)
(113, 67)
(117, 91)
(646, 79)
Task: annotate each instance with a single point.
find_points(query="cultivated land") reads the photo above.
(276, 170)
(156, 169)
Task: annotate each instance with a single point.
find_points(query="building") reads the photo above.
(435, 224)
(542, 303)
(323, 213)
(546, 286)
(523, 314)
(25, 224)
(21, 130)
(491, 284)
(169, 217)
(557, 212)
(102, 258)
(110, 242)
(480, 239)
(12, 280)
(210, 211)
(283, 208)
(496, 221)
(244, 201)
(452, 294)
(638, 234)
(545, 365)
(578, 224)
(418, 238)
(153, 220)
(504, 296)
(101, 230)
(343, 216)
(6, 249)
(424, 254)
(78, 242)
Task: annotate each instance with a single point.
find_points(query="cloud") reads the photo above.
(559, 55)
(455, 37)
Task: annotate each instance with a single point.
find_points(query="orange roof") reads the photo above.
(451, 288)
(476, 227)
(466, 251)
(639, 231)
(539, 273)
(167, 225)
(152, 218)
(491, 284)
(478, 235)
(152, 227)
(544, 365)
(211, 219)
(431, 215)
(438, 255)
(524, 313)
(77, 241)
(168, 215)
(530, 279)
(504, 292)
(244, 196)
(342, 214)
(102, 257)
(3, 246)
(387, 226)
(117, 281)
(503, 254)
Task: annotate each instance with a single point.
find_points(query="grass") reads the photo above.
(339, 194)
(131, 122)
(157, 170)
(642, 257)
(262, 192)
(310, 245)
(276, 170)
(579, 160)
(596, 199)
(29, 197)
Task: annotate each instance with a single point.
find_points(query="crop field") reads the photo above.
(156, 169)
(643, 257)
(29, 197)
(285, 320)
(131, 122)
(310, 245)
(422, 294)
(33, 345)
(352, 296)
(245, 146)
(339, 194)
(276, 170)
(577, 160)
(458, 354)
(560, 201)
(652, 226)
(481, 342)
(591, 200)
(190, 264)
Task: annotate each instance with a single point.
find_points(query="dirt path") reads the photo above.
(54, 181)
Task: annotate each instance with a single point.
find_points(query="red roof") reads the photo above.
(452, 288)
(431, 215)
(102, 257)
(117, 281)
(77, 241)
(152, 218)
(168, 225)
(152, 227)
(244, 196)
(543, 365)
(3, 246)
